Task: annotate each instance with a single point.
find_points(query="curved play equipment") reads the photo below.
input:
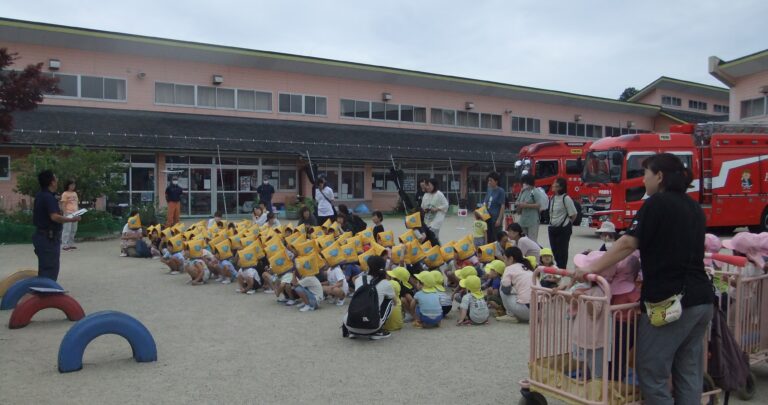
(22, 287)
(23, 313)
(7, 282)
(102, 323)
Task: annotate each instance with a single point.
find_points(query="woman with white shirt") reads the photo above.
(324, 197)
(435, 206)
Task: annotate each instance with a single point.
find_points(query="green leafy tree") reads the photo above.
(628, 93)
(97, 172)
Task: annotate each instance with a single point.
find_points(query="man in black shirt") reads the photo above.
(266, 191)
(47, 219)
(669, 232)
(173, 195)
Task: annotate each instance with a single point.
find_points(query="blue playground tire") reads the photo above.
(102, 323)
(21, 288)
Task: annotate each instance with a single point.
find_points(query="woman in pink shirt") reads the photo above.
(69, 204)
(515, 289)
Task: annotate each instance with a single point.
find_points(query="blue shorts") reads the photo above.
(429, 320)
(310, 297)
(351, 270)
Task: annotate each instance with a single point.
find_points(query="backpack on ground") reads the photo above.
(364, 315)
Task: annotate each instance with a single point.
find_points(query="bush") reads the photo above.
(17, 227)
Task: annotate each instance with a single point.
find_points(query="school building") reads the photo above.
(222, 117)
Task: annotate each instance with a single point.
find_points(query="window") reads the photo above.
(635, 165)
(252, 100)
(178, 94)
(93, 87)
(383, 181)
(67, 84)
(616, 131)
(5, 167)
(301, 104)
(573, 166)
(443, 117)
(393, 112)
(545, 168)
(282, 174)
(377, 110)
(206, 96)
(753, 107)
(522, 124)
(362, 109)
(225, 98)
(347, 182)
(490, 121)
(138, 183)
(697, 105)
(574, 128)
(671, 101)
(409, 113)
(723, 109)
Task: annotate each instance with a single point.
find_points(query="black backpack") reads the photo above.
(728, 365)
(363, 313)
(358, 225)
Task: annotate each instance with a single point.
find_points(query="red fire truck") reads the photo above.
(729, 163)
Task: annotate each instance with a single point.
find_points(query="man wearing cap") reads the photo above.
(48, 220)
(173, 195)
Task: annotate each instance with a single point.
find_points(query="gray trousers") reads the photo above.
(532, 232)
(519, 311)
(676, 349)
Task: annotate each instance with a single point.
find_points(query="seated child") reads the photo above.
(445, 299)
(336, 287)
(493, 272)
(547, 259)
(404, 278)
(309, 290)
(473, 308)
(174, 261)
(378, 227)
(351, 271)
(429, 313)
(249, 280)
(196, 268)
(272, 220)
(461, 274)
(226, 269)
(395, 320)
(216, 218)
(502, 240)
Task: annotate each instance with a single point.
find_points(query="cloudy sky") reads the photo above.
(589, 47)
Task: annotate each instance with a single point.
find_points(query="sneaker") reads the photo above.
(407, 318)
(417, 324)
(282, 300)
(507, 318)
(73, 247)
(268, 291)
(226, 281)
(250, 292)
(340, 303)
(290, 303)
(65, 248)
(173, 273)
(302, 305)
(380, 335)
(218, 279)
(306, 308)
(123, 255)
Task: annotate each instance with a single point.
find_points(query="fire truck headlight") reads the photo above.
(525, 172)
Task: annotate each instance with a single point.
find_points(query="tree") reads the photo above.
(628, 93)
(97, 172)
(21, 90)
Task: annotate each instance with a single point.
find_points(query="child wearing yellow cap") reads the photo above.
(406, 281)
(461, 274)
(473, 310)
(494, 270)
(445, 299)
(479, 230)
(395, 320)
(547, 259)
(429, 312)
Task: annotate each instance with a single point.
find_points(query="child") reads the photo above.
(196, 268)
(473, 308)
(272, 220)
(404, 278)
(336, 287)
(607, 234)
(309, 290)
(429, 313)
(445, 299)
(494, 270)
(343, 224)
(258, 216)
(547, 259)
(378, 227)
(395, 320)
(174, 261)
(502, 239)
(479, 230)
(216, 219)
(226, 269)
(461, 274)
(248, 280)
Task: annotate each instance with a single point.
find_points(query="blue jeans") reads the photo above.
(48, 252)
(310, 297)
(429, 320)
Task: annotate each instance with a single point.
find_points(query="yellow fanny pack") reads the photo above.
(666, 311)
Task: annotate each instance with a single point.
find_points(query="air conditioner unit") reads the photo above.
(469, 105)
(386, 97)
(218, 79)
(764, 89)
(54, 64)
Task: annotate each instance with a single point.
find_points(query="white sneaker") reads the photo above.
(268, 291)
(290, 303)
(282, 299)
(250, 292)
(306, 308)
(173, 273)
(340, 303)
(226, 281)
(407, 318)
(302, 305)
(218, 279)
(123, 255)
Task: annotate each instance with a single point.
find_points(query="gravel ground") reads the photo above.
(216, 346)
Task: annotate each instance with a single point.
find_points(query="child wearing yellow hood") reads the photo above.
(429, 312)
(395, 320)
(473, 309)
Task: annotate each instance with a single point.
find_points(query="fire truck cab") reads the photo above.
(729, 162)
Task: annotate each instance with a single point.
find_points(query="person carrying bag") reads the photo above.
(562, 213)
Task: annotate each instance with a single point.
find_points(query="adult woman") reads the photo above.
(562, 213)
(306, 217)
(69, 204)
(435, 206)
(669, 231)
(494, 202)
(515, 289)
(526, 245)
(324, 198)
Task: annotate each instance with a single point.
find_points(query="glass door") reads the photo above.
(200, 190)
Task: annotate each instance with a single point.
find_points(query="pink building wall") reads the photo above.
(140, 92)
(746, 88)
(654, 97)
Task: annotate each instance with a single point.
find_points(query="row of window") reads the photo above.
(617, 131)
(466, 119)
(375, 110)
(754, 107)
(90, 87)
(575, 129)
(693, 104)
(523, 124)
(212, 97)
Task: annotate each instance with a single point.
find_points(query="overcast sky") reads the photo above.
(588, 47)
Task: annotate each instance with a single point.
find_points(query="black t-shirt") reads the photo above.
(173, 193)
(377, 230)
(670, 228)
(265, 192)
(45, 205)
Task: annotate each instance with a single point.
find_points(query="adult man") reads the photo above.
(173, 195)
(529, 203)
(48, 221)
(494, 202)
(266, 191)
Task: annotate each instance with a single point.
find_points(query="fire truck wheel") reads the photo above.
(763, 226)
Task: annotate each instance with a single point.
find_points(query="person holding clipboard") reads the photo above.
(48, 219)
